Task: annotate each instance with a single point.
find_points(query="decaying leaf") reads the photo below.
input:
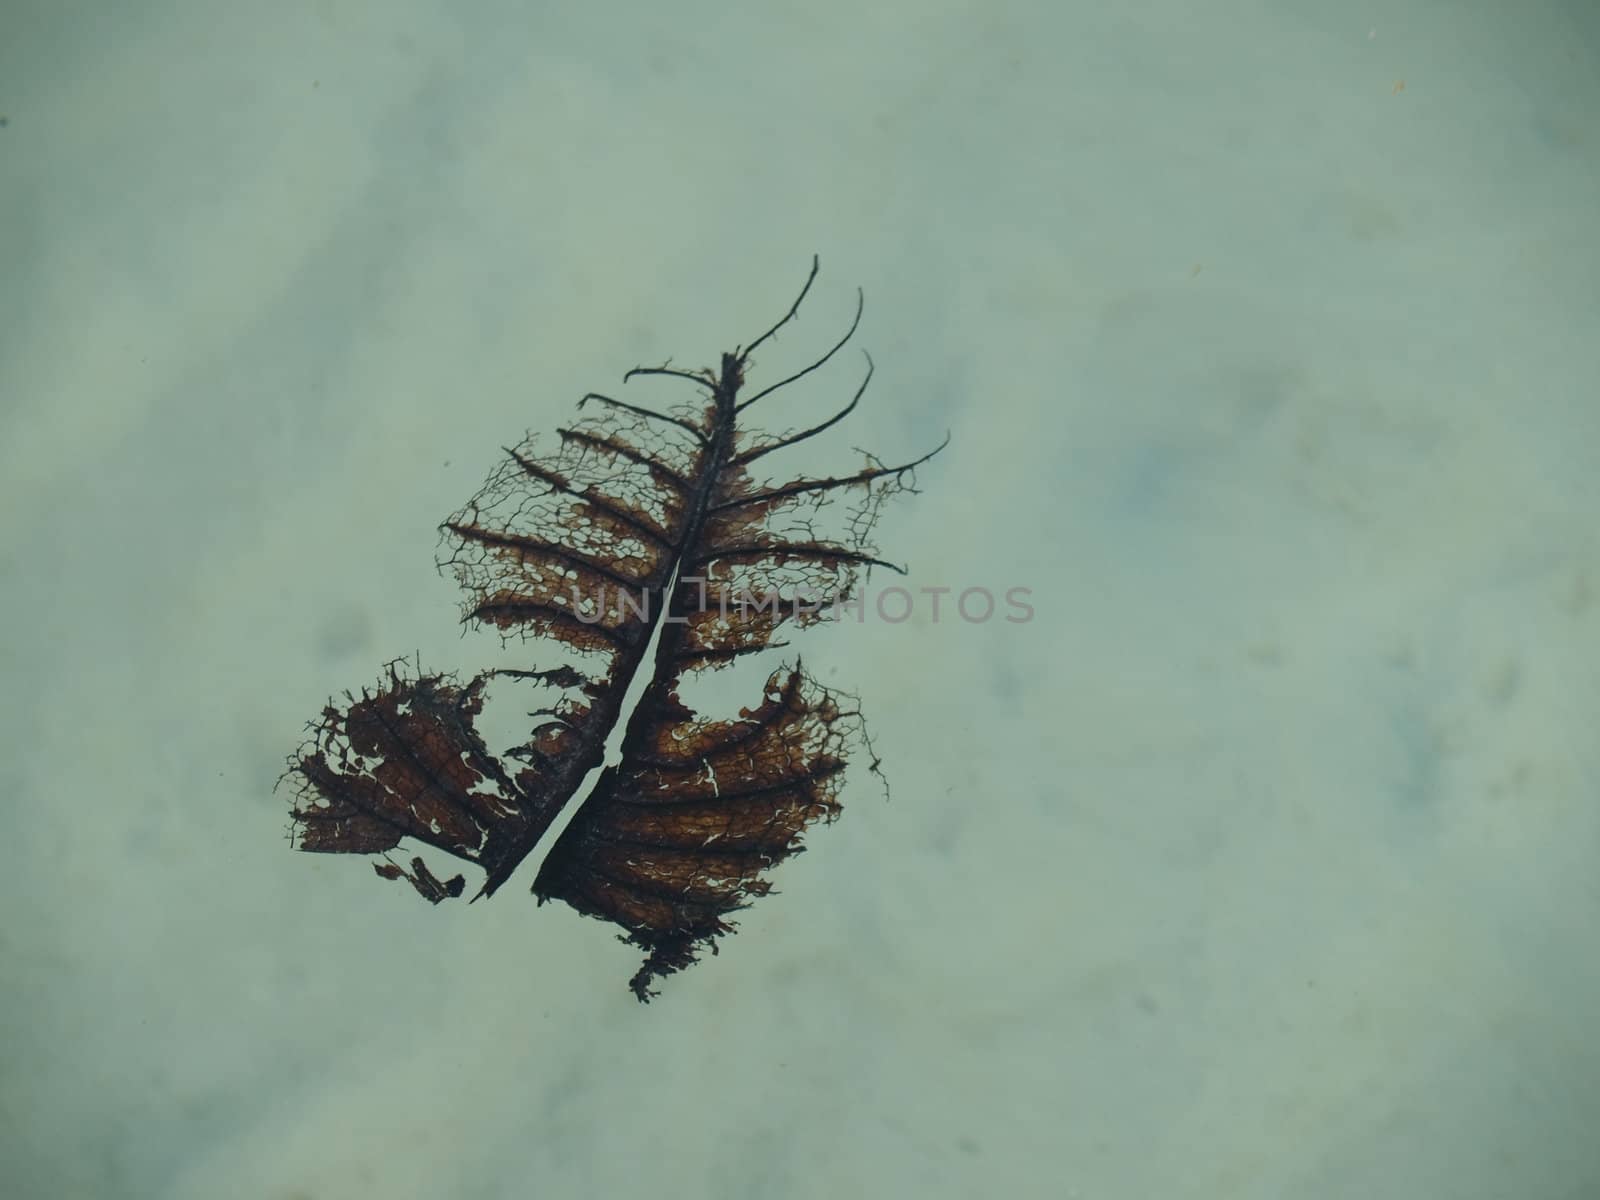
(640, 542)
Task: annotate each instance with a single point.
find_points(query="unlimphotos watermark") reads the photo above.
(892, 605)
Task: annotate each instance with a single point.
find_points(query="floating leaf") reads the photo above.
(639, 541)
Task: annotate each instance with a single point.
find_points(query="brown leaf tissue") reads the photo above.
(641, 545)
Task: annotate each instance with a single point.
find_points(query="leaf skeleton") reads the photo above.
(661, 507)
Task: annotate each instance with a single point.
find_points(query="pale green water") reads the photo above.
(1258, 864)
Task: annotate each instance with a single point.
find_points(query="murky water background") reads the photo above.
(1261, 862)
